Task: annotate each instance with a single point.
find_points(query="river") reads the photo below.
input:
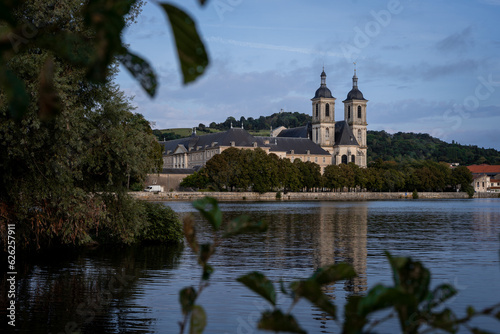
(135, 289)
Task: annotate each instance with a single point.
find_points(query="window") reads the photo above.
(327, 133)
(359, 111)
(317, 136)
(327, 112)
(359, 137)
(348, 112)
(316, 159)
(353, 158)
(344, 159)
(317, 110)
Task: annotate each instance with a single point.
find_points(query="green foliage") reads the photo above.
(243, 170)
(259, 283)
(68, 136)
(163, 225)
(415, 194)
(209, 209)
(406, 147)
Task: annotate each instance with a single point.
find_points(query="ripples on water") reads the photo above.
(136, 289)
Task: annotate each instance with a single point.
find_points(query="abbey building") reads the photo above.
(324, 141)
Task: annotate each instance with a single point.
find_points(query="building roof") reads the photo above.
(323, 92)
(239, 136)
(299, 132)
(287, 144)
(484, 169)
(355, 94)
(344, 135)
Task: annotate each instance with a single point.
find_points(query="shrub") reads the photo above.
(278, 195)
(163, 225)
(415, 194)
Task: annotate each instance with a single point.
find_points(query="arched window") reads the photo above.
(359, 111)
(317, 135)
(348, 112)
(327, 111)
(327, 133)
(359, 137)
(353, 158)
(344, 159)
(317, 108)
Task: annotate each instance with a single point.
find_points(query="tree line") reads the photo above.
(400, 147)
(254, 170)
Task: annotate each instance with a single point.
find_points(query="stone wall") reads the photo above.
(325, 196)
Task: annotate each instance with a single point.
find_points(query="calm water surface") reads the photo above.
(136, 289)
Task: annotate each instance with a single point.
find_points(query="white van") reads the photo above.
(154, 188)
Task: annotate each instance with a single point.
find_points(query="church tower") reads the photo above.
(355, 116)
(323, 116)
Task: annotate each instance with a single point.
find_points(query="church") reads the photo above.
(324, 141)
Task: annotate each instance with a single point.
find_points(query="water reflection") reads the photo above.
(87, 291)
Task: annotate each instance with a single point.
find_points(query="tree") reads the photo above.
(69, 154)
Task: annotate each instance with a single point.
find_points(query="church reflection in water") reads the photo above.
(341, 237)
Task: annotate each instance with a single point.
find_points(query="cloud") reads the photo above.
(457, 42)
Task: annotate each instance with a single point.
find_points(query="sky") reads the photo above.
(425, 66)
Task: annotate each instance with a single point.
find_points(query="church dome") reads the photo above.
(355, 94)
(323, 92)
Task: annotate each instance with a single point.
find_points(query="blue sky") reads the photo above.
(424, 66)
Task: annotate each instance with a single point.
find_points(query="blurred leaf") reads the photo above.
(260, 284)
(354, 321)
(444, 320)
(380, 297)
(14, 89)
(141, 70)
(242, 224)
(411, 276)
(441, 294)
(214, 215)
(202, 2)
(207, 272)
(190, 233)
(278, 322)
(107, 19)
(471, 311)
(68, 46)
(496, 315)
(187, 297)
(480, 331)
(333, 273)
(283, 288)
(206, 251)
(48, 99)
(198, 320)
(311, 290)
(190, 48)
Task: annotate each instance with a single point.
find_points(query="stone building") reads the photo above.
(324, 141)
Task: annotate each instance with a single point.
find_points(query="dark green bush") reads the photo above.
(163, 224)
(415, 194)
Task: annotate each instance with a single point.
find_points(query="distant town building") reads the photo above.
(324, 141)
(486, 177)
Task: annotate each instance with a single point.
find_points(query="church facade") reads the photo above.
(324, 141)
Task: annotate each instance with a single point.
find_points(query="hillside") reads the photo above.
(398, 147)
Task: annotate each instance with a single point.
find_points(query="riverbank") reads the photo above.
(319, 196)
